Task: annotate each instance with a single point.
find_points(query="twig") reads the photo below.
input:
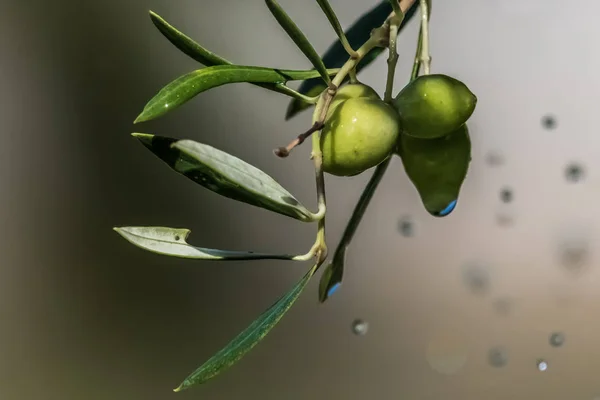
(425, 56)
(392, 60)
(283, 152)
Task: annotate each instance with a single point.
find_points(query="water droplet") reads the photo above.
(549, 122)
(447, 353)
(542, 365)
(574, 172)
(574, 254)
(333, 289)
(494, 159)
(557, 339)
(506, 195)
(502, 306)
(498, 356)
(406, 227)
(360, 327)
(446, 211)
(166, 105)
(505, 219)
(477, 279)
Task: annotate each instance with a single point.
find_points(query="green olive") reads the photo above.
(359, 134)
(434, 105)
(437, 168)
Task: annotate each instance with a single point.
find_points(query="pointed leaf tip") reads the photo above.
(249, 338)
(140, 118)
(144, 138)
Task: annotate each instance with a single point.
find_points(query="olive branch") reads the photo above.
(373, 33)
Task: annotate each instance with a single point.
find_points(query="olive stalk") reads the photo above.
(392, 60)
(335, 23)
(425, 56)
(320, 247)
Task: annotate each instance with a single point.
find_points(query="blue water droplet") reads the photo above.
(446, 211)
(542, 365)
(333, 289)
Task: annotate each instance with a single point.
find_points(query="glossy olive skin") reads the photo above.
(434, 105)
(352, 91)
(437, 168)
(359, 134)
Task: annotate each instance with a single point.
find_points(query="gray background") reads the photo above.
(85, 315)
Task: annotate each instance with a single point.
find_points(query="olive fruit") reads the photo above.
(437, 168)
(434, 105)
(352, 91)
(359, 134)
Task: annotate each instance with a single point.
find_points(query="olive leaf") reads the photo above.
(250, 337)
(335, 24)
(193, 83)
(336, 55)
(172, 242)
(437, 168)
(186, 44)
(224, 174)
(203, 55)
(298, 37)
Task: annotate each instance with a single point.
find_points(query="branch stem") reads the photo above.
(392, 60)
(425, 56)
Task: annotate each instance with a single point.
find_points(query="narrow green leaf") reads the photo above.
(358, 33)
(191, 84)
(186, 44)
(298, 37)
(335, 24)
(202, 54)
(172, 242)
(224, 174)
(250, 337)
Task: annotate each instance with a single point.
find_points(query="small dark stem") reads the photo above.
(285, 151)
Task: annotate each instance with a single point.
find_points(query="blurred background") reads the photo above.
(499, 300)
